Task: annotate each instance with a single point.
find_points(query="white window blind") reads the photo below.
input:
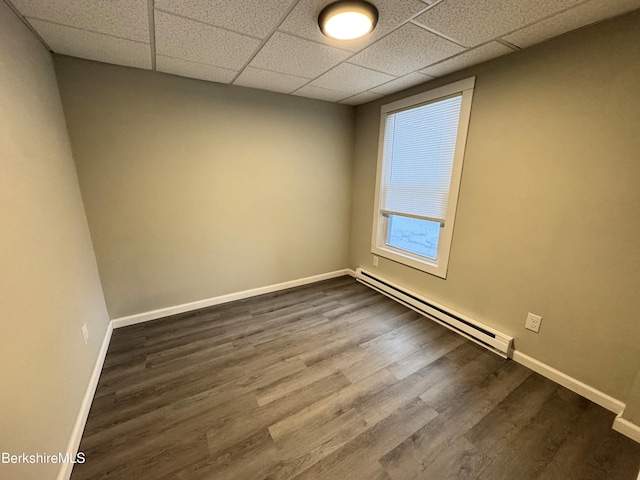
(419, 148)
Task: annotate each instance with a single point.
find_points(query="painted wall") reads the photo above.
(547, 218)
(49, 284)
(196, 189)
(632, 411)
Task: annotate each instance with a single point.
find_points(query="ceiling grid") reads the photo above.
(276, 44)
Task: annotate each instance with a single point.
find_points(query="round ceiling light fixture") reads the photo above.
(348, 19)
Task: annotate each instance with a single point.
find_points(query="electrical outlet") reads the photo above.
(533, 322)
(85, 333)
(375, 261)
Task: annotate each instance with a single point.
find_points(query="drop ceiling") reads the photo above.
(277, 45)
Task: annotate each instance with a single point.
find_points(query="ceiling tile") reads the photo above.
(215, 40)
(185, 68)
(266, 80)
(310, 91)
(121, 18)
(351, 79)
(295, 56)
(303, 21)
(93, 46)
(401, 83)
(181, 38)
(584, 14)
(361, 98)
(467, 59)
(407, 49)
(256, 18)
(471, 23)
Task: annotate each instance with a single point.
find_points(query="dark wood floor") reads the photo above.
(334, 381)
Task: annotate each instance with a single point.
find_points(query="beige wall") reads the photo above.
(632, 412)
(197, 189)
(49, 283)
(547, 218)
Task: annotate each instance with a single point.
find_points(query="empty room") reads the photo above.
(319, 239)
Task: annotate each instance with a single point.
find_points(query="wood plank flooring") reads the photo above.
(334, 381)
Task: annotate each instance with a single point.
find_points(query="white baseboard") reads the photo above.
(78, 428)
(596, 396)
(627, 428)
(209, 302)
(351, 273)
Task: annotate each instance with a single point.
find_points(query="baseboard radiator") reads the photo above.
(487, 337)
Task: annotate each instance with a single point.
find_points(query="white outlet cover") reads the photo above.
(533, 322)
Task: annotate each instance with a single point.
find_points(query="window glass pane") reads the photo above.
(414, 235)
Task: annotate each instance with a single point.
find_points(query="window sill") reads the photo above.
(430, 267)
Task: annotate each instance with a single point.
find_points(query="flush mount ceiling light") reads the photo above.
(348, 19)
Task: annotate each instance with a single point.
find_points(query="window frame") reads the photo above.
(379, 235)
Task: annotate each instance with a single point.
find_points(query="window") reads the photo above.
(422, 140)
